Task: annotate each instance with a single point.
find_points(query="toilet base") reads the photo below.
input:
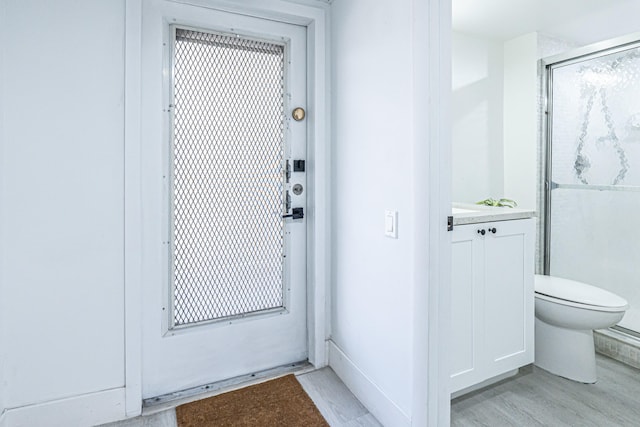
(568, 353)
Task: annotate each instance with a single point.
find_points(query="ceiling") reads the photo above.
(506, 19)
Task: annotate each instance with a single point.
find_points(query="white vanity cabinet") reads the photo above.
(492, 297)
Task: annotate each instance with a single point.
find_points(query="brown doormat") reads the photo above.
(279, 402)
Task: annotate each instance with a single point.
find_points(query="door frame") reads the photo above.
(432, 127)
(432, 153)
(318, 176)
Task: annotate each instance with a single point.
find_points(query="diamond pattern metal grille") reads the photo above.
(228, 182)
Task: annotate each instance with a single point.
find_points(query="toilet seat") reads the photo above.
(578, 305)
(577, 294)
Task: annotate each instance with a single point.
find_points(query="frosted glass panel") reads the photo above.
(596, 121)
(595, 201)
(595, 239)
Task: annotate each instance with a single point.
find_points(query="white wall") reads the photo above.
(495, 95)
(619, 19)
(477, 82)
(520, 119)
(372, 171)
(62, 204)
(495, 128)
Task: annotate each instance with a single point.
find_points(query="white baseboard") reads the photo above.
(485, 383)
(374, 399)
(79, 411)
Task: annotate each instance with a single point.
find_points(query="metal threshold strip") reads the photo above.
(628, 188)
(170, 400)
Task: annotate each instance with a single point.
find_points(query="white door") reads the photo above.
(223, 272)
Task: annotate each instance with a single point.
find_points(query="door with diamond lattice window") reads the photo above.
(232, 232)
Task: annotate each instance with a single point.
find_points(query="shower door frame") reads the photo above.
(546, 67)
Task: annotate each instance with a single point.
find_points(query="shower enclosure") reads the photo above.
(592, 184)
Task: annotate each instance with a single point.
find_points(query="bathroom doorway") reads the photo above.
(592, 173)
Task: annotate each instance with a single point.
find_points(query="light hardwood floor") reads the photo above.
(334, 400)
(537, 398)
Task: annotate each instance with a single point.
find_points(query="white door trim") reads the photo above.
(439, 398)
(318, 219)
(133, 209)
(432, 163)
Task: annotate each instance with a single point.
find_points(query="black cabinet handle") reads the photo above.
(481, 232)
(492, 230)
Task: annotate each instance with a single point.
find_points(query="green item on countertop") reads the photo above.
(503, 203)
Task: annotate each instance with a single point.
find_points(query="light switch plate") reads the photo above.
(391, 224)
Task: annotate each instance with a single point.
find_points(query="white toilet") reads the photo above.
(567, 312)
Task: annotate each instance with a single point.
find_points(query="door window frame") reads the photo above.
(169, 326)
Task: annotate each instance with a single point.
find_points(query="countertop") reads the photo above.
(467, 213)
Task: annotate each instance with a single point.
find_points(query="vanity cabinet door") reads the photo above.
(467, 322)
(492, 299)
(509, 295)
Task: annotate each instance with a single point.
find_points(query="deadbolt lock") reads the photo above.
(297, 189)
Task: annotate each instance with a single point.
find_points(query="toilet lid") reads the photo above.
(570, 290)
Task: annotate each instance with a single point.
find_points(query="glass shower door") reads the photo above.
(593, 205)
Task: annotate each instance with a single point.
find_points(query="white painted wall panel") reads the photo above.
(62, 199)
(616, 20)
(520, 119)
(477, 80)
(372, 171)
